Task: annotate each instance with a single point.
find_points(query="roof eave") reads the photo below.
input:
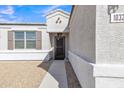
(41, 24)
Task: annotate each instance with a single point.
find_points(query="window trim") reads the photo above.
(25, 39)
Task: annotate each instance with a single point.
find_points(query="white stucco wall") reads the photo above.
(82, 32)
(82, 43)
(24, 54)
(4, 34)
(51, 19)
(96, 47)
(46, 42)
(83, 70)
(3, 39)
(109, 75)
(108, 71)
(109, 37)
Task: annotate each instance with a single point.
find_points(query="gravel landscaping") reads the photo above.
(22, 74)
(71, 77)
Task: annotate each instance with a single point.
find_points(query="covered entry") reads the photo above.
(59, 47)
(57, 27)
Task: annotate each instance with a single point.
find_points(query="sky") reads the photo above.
(28, 13)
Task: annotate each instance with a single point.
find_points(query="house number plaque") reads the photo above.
(117, 17)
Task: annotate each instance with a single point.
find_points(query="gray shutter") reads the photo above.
(38, 39)
(10, 40)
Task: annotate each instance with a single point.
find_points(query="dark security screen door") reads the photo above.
(60, 48)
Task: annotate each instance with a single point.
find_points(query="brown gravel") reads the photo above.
(71, 76)
(24, 74)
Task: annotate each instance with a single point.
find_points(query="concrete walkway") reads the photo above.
(56, 76)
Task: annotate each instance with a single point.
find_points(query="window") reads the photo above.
(19, 40)
(25, 40)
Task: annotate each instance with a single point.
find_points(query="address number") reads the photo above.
(117, 17)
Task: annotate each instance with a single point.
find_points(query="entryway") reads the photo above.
(59, 48)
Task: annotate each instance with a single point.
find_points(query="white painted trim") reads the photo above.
(109, 70)
(58, 31)
(26, 55)
(80, 58)
(97, 75)
(22, 27)
(82, 69)
(25, 51)
(61, 12)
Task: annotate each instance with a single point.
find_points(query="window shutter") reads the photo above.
(10, 40)
(38, 39)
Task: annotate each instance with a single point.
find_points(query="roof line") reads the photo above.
(72, 10)
(43, 24)
(58, 10)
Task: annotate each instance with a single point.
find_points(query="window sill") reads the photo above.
(24, 51)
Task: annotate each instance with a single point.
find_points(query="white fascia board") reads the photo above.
(57, 13)
(109, 70)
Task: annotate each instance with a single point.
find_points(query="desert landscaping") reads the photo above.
(22, 74)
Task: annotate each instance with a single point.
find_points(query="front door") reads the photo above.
(59, 48)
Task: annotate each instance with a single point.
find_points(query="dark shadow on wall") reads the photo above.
(51, 39)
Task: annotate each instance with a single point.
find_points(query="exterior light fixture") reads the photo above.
(59, 35)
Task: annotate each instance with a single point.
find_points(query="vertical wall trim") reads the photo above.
(38, 40)
(10, 40)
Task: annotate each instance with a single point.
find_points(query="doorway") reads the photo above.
(59, 48)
